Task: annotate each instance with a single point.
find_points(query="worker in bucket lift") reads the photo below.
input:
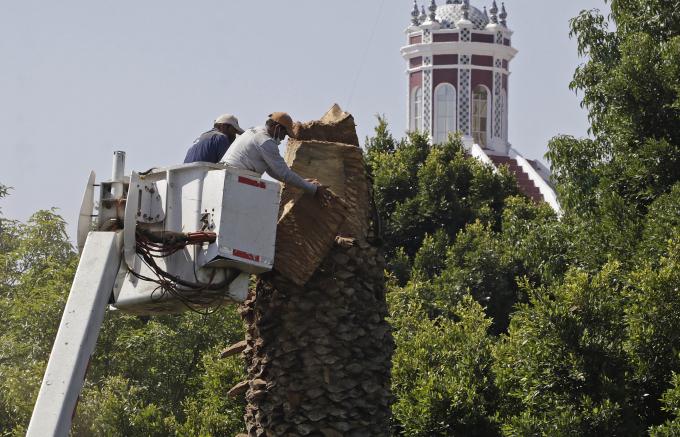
(257, 150)
(212, 145)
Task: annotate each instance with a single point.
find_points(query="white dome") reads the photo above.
(449, 14)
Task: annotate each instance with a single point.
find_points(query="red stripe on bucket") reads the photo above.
(252, 182)
(246, 255)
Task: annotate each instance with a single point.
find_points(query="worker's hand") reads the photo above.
(322, 195)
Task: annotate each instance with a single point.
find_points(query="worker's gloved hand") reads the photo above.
(322, 195)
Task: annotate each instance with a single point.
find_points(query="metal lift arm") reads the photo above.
(77, 336)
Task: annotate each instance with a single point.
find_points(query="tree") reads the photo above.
(630, 86)
(164, 369)
(671, 405)
(442, 377)
(653, 322)
(421, 190)
(562, 368)
(37, 264)
(4, 190)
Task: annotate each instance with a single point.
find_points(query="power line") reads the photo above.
(363, 57)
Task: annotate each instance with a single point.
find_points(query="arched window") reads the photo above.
(480, 115)
(444, 112)
(416, 110)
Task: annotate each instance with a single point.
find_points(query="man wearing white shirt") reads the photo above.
(257, 150)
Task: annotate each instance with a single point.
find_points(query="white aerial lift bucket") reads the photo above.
(166, 241)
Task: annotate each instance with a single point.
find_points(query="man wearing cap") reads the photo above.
(257, 150)
(212, 145)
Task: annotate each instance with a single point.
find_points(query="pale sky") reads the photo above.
(82, 78)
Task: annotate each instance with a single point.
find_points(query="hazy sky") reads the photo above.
(82, 78)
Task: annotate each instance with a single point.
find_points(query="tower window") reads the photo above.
(444, 112)
(480, 115)
(416, 110)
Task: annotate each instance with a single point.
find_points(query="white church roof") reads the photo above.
(449, 14)
(454, 12)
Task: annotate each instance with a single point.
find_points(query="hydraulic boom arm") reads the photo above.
(77, 336)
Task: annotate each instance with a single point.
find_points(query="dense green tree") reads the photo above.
(671, 405)
(35, 259)
(653, 330)
(630, 86)
(661, 225)
(536, 239)
(562, 368)
(441, 369)
(169, 366)
(619, 191)
(422, 189)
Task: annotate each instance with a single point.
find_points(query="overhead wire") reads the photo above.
(365, 53)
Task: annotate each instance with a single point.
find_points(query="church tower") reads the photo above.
(458, 59)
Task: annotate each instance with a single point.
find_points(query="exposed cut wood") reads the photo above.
(341, 167)
(234, 349)
(238, 390)
(305, 233)
(335, 126)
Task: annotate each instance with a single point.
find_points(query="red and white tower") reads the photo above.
(458, 75)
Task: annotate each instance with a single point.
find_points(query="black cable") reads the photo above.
(195, 294)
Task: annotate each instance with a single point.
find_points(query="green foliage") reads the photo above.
(563, 366)
(399, 266)
(208, 411)
(662, 224)
(4, 191)
(630, 87)
(536, 239)
(441, 376)
(169, 363)
(479, 264)
(620, 189)
(421, 189)
(653, 320)
(37, 264)
(456, 240)
(447, 316)
(671, 405)
(118, 407)
(430, 258)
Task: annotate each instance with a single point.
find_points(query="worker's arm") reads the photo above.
(279, 170)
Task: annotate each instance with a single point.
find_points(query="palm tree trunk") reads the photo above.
(319, 351)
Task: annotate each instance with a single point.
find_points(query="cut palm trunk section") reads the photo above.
(305, 233)
(336, 126)
(319, 348)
